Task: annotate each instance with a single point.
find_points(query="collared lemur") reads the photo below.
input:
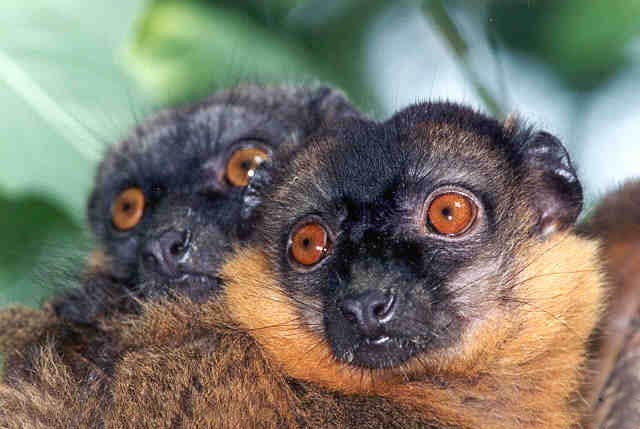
(425, 263)
(428, 259)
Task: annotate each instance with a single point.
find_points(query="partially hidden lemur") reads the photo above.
(175, 183)
(165, 209)
(426, 262)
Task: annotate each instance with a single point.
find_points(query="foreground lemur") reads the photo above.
(427, 260)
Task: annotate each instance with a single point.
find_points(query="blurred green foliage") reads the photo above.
(184, 50)
(62, 93)
(74, 75)
(583, 41)
(41, 239)
(177, 42)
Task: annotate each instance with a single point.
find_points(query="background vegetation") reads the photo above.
(75, 75)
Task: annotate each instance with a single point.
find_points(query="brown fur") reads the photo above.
(619, 406)
(615, 382)
(185, 365)
(29, 336)
(24, 331)
(51, 398)
(22, 328)
(519, 370)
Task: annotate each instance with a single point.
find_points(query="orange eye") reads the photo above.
(127, 209)
(242, 164)
(309, 244)
(452, 213)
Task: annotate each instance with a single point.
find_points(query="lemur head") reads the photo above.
(166, 201)
(398, 252)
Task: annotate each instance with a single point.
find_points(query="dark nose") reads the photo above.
(370, 311)
(164, 252)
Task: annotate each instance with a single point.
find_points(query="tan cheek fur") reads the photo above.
(98, 262)
(519, 368)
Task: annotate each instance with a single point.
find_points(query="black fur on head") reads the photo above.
(191, 210)
(389, 284)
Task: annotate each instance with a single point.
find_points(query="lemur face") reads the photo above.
(395, 239)
(166, 203)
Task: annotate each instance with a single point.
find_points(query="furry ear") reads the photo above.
(327, 106)
(557, 192)
(331, 105)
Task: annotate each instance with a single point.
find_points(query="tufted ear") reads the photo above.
(556, 193)
(322, 107)
(331, 105)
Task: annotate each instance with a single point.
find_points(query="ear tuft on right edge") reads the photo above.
(557, 193)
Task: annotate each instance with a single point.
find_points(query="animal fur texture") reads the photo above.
(183, 365)
(490, 330)
(522, 294)
(614, 388)
(178, 161)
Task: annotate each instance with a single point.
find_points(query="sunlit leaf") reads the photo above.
(64, 93)
(184, 49)
(64, 97)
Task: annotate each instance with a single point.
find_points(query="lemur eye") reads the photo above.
(309, 244)
(242, 163)
(451, 213)
(127, 208)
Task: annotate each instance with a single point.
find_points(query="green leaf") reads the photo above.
(184, 49)
(271, 13)
(40, 242)
(64, 94)
(585, 42)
